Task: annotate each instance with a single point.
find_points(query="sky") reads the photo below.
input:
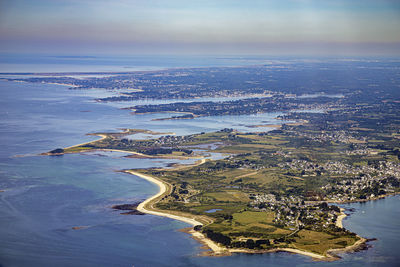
(275, 27)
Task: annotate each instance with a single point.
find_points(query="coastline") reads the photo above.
(339, 219)
(148, 208)
(133, 154)
(102, 137)
(358, 245)
(363, 200)
(147, 205)
(218, 250)
(214, 249)
(141, 155)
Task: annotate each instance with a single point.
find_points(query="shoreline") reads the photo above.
(147, 206)
(163, 188)
(339, 219)
(141, 155)
(218, 250)
(102, 137)
(357, 246)
(363, 200)
(133, 153)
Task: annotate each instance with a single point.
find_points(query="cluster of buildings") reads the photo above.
(171, 140)
(336, 136)
(294, 213)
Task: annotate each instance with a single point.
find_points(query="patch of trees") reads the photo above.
(335, 208)
(198, 227)
(57, 151)
(187, 116)
(217, 237)
(173, 206)
(391, 180)
(163, 151)
(250, 244)
(222, 216)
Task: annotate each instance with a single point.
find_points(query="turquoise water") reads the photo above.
(44, 197)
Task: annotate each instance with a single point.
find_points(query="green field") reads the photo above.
(269, 191)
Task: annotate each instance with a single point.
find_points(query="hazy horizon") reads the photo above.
(285, 27)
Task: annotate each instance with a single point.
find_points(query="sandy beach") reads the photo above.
(102, 136)
(217, 250)
(305, 253)
(147, 205)
(340, 218)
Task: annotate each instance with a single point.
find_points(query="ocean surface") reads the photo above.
(44, 197)
(14, 63)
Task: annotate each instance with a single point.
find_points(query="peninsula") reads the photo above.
(278, 186)
(275, 190)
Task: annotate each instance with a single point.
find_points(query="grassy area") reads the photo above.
(227, 186)
(249, 224)
(228, 196)
(320, 242)
(310, 162)
(251, 217)
(76, 149)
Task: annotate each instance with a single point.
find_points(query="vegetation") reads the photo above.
(271, 191)
(273, 188)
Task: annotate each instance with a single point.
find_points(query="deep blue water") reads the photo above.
(44, 197)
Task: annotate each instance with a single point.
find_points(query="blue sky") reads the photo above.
(275, 27)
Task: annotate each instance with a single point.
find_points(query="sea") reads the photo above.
(43, 198)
